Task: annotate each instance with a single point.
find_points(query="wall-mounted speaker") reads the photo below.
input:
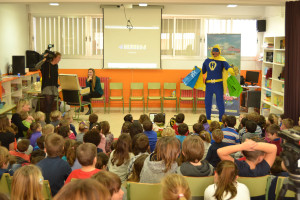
(261, 25)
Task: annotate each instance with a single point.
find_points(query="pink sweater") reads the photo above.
(102, 143)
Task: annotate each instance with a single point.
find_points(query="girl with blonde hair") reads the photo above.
(226, 186)
(22, 106)
(175, 187)
(27, 183)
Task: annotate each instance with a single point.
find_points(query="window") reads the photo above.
(72, 36)
(180, 37)
(247, 29)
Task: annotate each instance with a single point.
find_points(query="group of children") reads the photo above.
(145, 152)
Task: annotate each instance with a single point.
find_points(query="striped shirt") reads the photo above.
(231, 137)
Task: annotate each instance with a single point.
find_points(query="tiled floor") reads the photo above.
(115, 117)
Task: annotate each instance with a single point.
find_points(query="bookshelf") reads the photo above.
(14, 88)
(272, 92)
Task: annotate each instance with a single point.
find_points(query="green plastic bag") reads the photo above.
(234, 87)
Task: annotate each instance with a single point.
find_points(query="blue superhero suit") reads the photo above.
(214, 67)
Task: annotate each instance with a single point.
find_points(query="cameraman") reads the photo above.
(49, 70)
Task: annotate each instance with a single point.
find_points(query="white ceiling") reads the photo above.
(160, 2)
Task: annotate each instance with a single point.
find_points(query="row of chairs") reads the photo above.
(6, 181)
(258, 187)
(134, 87)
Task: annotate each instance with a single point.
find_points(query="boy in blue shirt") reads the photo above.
(183, 130)
(231, 137)
(152, 135)
(54, 169)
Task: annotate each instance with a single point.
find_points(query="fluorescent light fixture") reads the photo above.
(143, 4)
(231, 5)
(135, 27)
(54, 4)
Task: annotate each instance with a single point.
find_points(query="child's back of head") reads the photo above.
(23, 145)
(180, 118)
(183, 129)
(4, 157)
(68, 116)
(144, 118)
(205, 136)
(55, 115)
(92, 137)
(39, 116)
(243, 122)
(47, 129)
(230, 121)
(135, 128)
(64, 131)
(40, 142)
(140, 143)
(254, 155)
(128, 118)
(217, 135)
(175, 187)
(105, 127)
(167, 150)
(102, 160)
(251, 126)
(202, 119)
(287, 123)
(83, 189)
(36, 156)
(111, 181)
(86, 154)
(137, 168)
(272, 119)
(54, 145)
(126, 127)
(214, 125)
(198, 127)
(83, 127)
(93, 118)
(168, 132)
(193, 148)
(159, 118)
(122, 150)
(227, 172)
(147, 125)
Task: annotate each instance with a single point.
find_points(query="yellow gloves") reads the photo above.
(231, 71)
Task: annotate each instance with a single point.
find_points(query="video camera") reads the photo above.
(291, 150)
(50, 55)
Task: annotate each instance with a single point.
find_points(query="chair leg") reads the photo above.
(147, 105)
(104, 107)
(123, 105)
(162, 106)
(143, 106)
(177, 106)
(91, 108)
(108, 106)
(129, 105)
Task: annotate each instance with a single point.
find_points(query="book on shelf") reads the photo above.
(269, 56)
(282, 44)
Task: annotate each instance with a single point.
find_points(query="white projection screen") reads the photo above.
(136, 48)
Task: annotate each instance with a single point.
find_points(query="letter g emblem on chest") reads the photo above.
(212, 65)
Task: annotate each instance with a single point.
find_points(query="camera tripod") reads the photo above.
(291, 183)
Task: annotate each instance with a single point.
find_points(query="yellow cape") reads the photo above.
(200, 84)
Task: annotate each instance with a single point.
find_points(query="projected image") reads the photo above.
(136, 46)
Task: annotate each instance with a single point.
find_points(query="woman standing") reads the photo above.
(93, 82)
(49, 70)
(22, 106)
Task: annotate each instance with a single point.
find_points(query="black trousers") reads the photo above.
(91, 95)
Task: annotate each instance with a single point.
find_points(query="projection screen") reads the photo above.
(132, 47)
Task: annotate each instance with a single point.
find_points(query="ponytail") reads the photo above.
(227, 172)
(175, 187)
(205, 136)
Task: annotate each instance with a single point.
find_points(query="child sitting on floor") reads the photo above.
(87, 157)
(193, 150)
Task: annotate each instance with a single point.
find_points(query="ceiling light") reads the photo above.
(54, 4)
(143, 4)
(231, 6)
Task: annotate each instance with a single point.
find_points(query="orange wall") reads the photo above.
(127, 76)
